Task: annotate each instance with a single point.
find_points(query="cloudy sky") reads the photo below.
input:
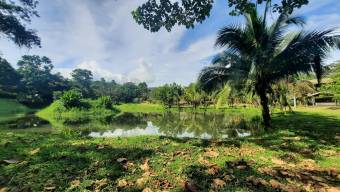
(101, 35)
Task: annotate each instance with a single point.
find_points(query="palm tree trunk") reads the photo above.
(265, 109)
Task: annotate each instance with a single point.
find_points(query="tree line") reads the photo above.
(34, 84)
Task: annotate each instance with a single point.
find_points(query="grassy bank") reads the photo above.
(147, 108)
(302, 152)
(56, 113)
(11, 109)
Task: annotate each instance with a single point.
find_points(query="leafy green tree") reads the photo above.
(264, 54)
(82, 79)
(9, 79)
(71, 99)
(37, 83)
(103, 87)
(14, 17)
(334, 87)
(144, 91)
(154, 15)
(193, 95)
(168, 95)
(105, 102)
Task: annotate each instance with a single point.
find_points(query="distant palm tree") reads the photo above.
(259, 54)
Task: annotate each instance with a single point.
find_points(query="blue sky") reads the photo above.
(102, 36)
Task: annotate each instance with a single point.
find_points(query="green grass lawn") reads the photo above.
(148, 107)
(11, 109)
(302, 152)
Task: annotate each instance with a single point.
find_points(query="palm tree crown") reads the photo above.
(259, 54)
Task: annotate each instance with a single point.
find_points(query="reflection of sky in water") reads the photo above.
(150, 129)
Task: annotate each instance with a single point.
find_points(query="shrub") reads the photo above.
(105, 102)
(71, 99)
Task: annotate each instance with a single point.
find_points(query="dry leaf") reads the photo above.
(211, 153)
(141, 181)
(3, 189)
(218, 183)
(75, 183)
(145, 165)
(275, 184)
(333, 189)
(11, 161)
(49, 188)
(101, 183)
(35, 151)
(122, 160)
(147, 190)
(122, 183)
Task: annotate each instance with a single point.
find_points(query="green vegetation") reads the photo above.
(11, 109)
(303, 144)
(207, 136)
(88, 110)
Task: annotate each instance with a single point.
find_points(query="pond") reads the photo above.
(179, 125)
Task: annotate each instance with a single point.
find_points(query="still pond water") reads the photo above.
(180, 125)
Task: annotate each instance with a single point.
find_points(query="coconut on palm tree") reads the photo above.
(259, 54)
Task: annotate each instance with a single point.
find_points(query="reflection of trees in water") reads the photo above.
(215, 125)
(176, 124)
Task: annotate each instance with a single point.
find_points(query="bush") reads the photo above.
(105, 102)
(71, 99)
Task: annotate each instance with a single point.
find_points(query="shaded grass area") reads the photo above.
(11, 109)
(302, 152)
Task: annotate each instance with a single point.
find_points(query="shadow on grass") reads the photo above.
(58, 164)
(302, 133)
(241, 175)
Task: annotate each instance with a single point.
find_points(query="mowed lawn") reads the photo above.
(300, 153)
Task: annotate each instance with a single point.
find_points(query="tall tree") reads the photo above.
(9, 78)
(82, 79)
(14, 17)
(154, 15)
(38, 83)
(262, 54)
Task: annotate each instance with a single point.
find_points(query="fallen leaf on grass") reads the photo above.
(278, 161)
(11, 161)
(75, 184)
(49, 188)
(142, 181)
(333, 189)
(275, 184)
(101, 184)
(147, 190)
(122, 183)
(3, 189)
(122, 160)
(205, 162)
(190, 187)
(211, 153)
(218, 183)
(213, 170)
(35, 151)
(145, 165)
(163, 183)
(178, 153)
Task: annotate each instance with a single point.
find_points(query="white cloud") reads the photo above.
(103, 37)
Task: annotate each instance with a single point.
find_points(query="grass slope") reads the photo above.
(11, 109)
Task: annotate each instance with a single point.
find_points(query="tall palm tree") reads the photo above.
(259, 54)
